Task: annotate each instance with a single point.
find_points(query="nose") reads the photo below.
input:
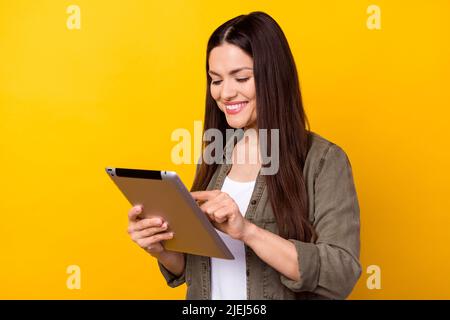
(228, 90)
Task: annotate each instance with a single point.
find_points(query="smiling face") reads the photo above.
(233, 85)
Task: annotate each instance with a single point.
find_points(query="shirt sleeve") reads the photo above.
(330, 267)
(171, 279)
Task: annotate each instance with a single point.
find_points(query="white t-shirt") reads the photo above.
(229, 277)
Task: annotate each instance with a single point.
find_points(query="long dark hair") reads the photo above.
(278, 106)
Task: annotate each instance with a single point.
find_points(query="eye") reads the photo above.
(242, 79)
(215, 83)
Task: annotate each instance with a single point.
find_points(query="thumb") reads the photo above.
(134, 212)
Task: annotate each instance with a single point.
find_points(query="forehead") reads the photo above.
(227, 57)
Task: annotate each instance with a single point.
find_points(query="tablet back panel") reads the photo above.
(163, 194)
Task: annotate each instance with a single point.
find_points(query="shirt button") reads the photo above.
(253, 202)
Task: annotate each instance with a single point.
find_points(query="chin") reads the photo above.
(236, 123)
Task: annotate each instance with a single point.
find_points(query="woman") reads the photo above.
(294, 233)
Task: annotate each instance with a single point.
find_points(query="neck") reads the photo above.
(251, 131)
(248, 146)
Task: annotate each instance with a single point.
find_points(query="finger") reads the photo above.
(146, 223)
(145, 233)
(154, 249)
(222, 214)
(210, 217)
(220, 220)
(146, 242)
(219, 197)
(215, 202)
(210, 208)
(134, 212)
(205, 195)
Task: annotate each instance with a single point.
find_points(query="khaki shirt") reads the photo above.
(329, 268)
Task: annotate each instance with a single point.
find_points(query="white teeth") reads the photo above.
(236, 106)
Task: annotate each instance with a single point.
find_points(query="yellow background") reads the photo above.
(111, 93)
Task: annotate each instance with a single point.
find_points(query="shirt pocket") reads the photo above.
(264, 213)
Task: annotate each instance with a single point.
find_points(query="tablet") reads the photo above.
(162, 193)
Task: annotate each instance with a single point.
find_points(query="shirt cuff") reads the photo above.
(171, 279)
(309, 266)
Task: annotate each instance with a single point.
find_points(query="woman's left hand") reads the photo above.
(223, 212)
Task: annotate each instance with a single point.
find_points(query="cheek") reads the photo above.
(249, 90)
(215, 92)
(252, 111)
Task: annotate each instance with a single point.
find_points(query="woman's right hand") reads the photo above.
(149, 232)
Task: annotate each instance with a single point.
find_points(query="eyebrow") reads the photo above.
(231, 72)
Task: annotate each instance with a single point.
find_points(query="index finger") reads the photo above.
(204, 195)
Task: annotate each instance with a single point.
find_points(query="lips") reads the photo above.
(235, 108)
